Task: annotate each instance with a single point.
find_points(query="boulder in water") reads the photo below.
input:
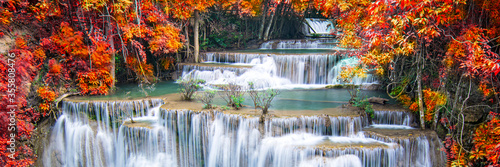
(370, 86)
(378, 100)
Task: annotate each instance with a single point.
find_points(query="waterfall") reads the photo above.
(318, 26)
(278, 69)
(237, 70)
(317, 125)
(102, 134)
(393, 118)
(84, 133)
(334, 73)
(263, 75)
(324, 43)
(420, 150)
(269, 70)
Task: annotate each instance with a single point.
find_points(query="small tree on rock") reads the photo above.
(262, 99)
(188, 87)
(207, 97)
(233, 95)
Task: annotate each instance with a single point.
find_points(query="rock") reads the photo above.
(370, 86)
(473, 116)
(377, 100)
(337, 86)
(174, 76)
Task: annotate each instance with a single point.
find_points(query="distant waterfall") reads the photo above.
(318, 26)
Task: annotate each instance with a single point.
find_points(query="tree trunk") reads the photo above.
(275, 20)
(262, 20)
(282, 23)
(113, 61)
(188, 48)
(196, 36)
(436, 117)
(419, 87)
(266, 34)
(113, 64)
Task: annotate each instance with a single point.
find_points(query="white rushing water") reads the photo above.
(275, 70)
(393, 118)
(101, 134)
(324, 43)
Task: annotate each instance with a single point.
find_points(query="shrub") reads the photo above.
(362, 103)
(207, 98)
(337, 86)
(486, 149)
(263, 99)
(238, 101)
(187, 88)
(233, 95)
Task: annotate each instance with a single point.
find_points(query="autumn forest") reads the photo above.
(438, 60)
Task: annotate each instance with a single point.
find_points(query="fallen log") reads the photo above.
(60, 98)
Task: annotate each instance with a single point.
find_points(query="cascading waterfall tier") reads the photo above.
(420, 148)
(238, 70)
(85, 133)
(393, 118)
(274, 70)
(324, 43)
(103, 134)
(317, 125)
(269, 70)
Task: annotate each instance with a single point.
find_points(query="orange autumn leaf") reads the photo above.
(54, 67)
(487, 142)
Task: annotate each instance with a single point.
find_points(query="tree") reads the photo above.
(184, 10)
(263, 99)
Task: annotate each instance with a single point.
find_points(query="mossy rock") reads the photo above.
(341, 86)
(337, 86)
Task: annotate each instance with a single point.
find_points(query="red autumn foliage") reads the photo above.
(55, 67)
(487, 142)
(48, 96)
(18, 68)
(69, 42)
(94, 82)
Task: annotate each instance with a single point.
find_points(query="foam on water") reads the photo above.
(340, 161)
(390, 126)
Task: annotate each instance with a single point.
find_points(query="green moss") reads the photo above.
(337, 86)
(341, 86)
